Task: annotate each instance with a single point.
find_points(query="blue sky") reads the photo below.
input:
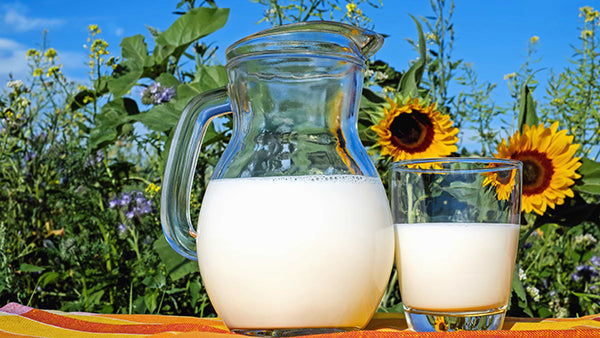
(492, 35)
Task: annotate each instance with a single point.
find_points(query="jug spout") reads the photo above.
(312, 37)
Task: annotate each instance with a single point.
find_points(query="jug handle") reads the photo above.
(181, 165)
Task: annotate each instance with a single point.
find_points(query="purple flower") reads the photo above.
(28, 157)
(114, 202)
(121, 228)
(595, 260)
(125, 199)
(157, 94)
(165, 95)
(93, 160)
(584, 271)
(139, 198)
(133, 204)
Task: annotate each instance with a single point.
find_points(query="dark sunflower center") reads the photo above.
(412, 132)
(503, 177)
(537, 171)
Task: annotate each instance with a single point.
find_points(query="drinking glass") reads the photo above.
(456, 226)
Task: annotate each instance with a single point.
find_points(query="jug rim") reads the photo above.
(360, 43)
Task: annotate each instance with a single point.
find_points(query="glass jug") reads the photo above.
(294, 234)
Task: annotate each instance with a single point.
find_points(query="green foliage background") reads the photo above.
(69, 153)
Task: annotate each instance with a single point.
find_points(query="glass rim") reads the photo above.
(500, 164)
(350, 42)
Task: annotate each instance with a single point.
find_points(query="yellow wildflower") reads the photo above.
(586, 34)
(94, 29)
(351, 7)
(52, 71)
(152, 188)
(50, 54)
(588, 13)
(98, 48)
(534, 39)
(37, 72)
(510, 76)
(33, 54)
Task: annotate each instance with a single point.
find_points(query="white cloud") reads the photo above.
(16, 19)
(6, 44)
(75, 65)
(12, 59)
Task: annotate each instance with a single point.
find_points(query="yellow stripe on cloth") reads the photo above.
(520, 324)
(17, 320)
(18, 325)
(33, 322)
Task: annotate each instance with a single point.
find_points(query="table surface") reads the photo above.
(17, 320)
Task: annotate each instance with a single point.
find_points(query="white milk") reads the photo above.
(461, 266)
(307, 251)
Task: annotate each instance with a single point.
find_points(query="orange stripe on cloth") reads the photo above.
(165, 319)
(50, 319)
(16, 319)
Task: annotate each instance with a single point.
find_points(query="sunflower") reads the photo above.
(412, 131)
(549, 165)
(503, 181)
(440, 324)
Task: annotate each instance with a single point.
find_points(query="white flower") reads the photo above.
(562, 313)
(14, 84)
(522, 274)
(379, 76)
(534, 293)
(22, 102)
(585, 240)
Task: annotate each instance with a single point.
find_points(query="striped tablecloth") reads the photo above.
(17, 320)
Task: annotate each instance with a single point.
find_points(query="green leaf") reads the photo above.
(48, 278)
(112, 121)
(195, 292)
(167, 80)
(151, 300)
(409, 83)
(590, 177)
(177, 265)
(586, 295)
(24, 267)
(517, 286)
(136, 61)
(193, 25)
(95, 297)
(125, 76)
(189, 27)
(527, 115)
(208, 78)
(77, 101)
(161, 117)
(134, 48)
(211, 77)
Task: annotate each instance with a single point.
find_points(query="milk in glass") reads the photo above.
(456, 266)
